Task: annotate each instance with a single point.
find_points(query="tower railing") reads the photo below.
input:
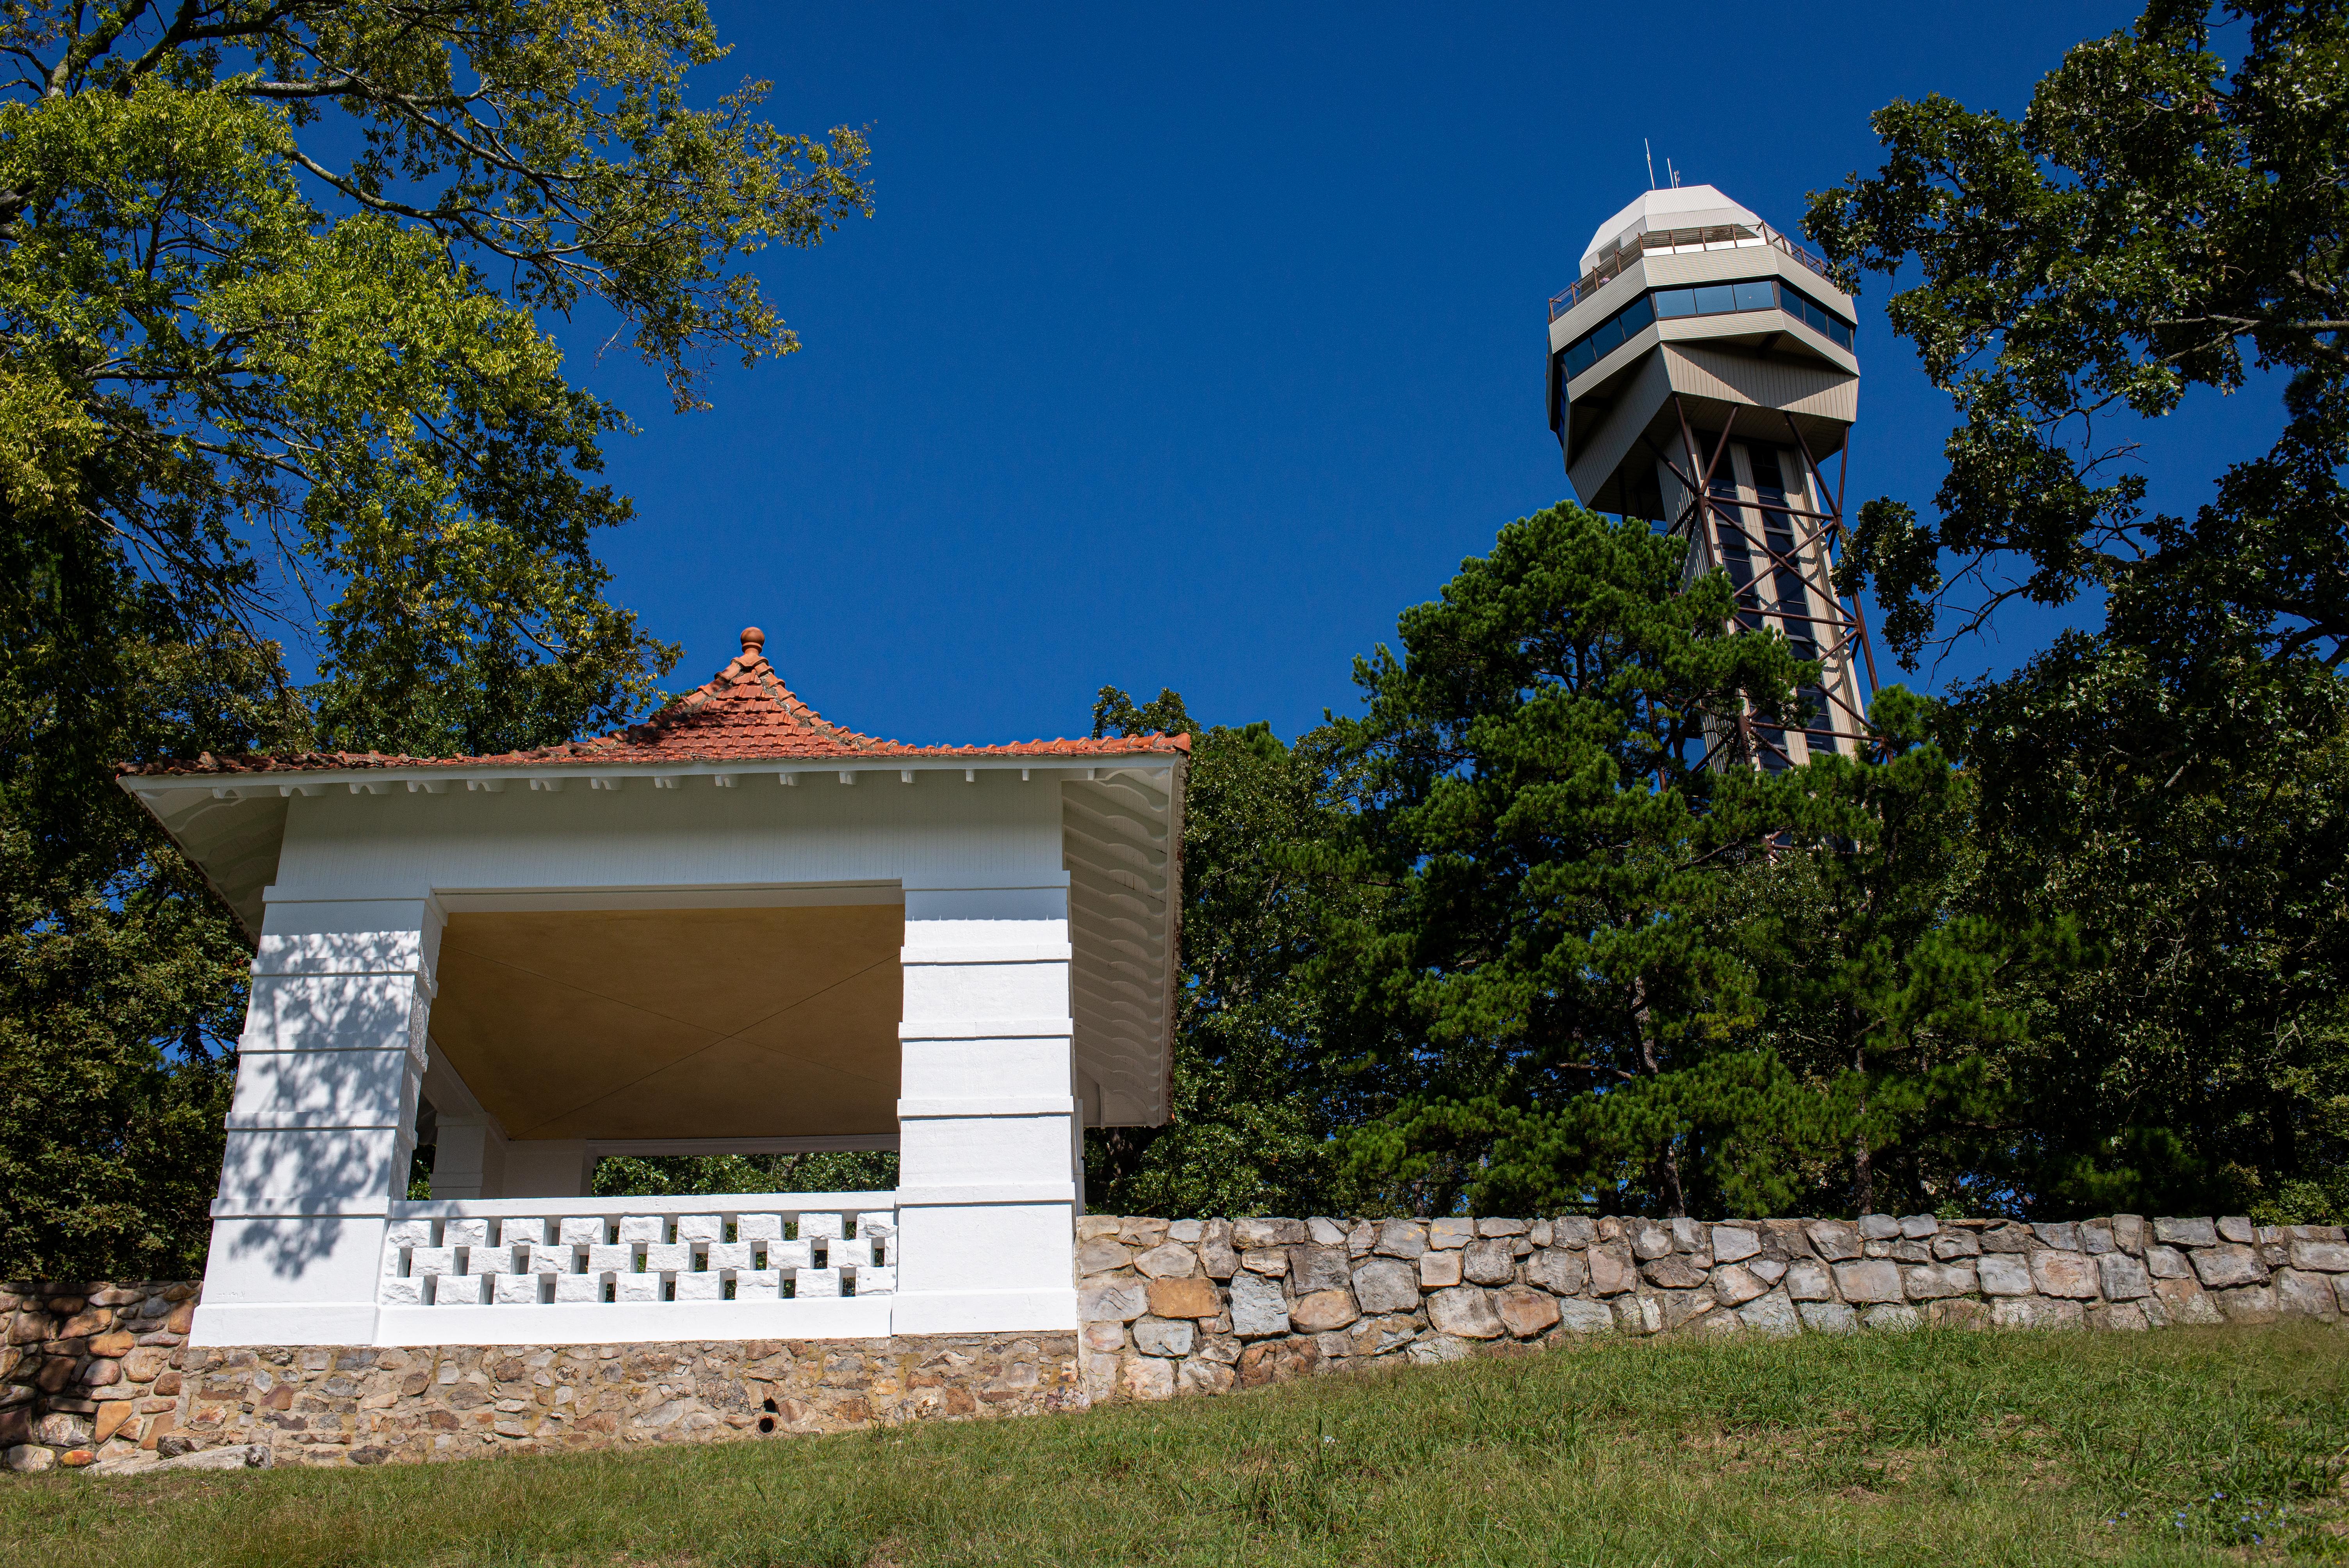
(1717, 237)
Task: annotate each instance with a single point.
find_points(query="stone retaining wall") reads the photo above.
(102, 1375)
(1205, 1306)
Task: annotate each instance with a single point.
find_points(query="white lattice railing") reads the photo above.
(760, 1246)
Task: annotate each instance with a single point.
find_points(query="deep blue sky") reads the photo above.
(1187, 347)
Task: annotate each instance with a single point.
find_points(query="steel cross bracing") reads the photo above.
(1712, 520)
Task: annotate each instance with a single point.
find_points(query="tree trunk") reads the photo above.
(1863, 1166)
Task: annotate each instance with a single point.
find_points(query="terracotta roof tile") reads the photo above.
(745, 714)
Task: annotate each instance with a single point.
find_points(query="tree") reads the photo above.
(1882, 990)
(1539, 983)
(2184, 798)
(2154, 222)
(269, 367)
(1253, 1107)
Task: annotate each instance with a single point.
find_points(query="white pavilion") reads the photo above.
(737, 928)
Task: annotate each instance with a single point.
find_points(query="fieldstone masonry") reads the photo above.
(102, 1375)
(1207, 1306)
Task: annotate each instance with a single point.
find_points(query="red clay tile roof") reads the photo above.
(745, 715)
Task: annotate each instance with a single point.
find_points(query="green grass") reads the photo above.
(1929, 1447)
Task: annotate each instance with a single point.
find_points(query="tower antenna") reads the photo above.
(1651, 161)
(1668, 170)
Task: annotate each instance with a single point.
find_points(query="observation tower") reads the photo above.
(1700, 372)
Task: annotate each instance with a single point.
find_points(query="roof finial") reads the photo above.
(753, 640)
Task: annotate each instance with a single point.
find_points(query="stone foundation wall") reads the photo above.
(102, 1375)
(1206, 1306)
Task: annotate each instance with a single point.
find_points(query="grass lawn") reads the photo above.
(2185, 1446)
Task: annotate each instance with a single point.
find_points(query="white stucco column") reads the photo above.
(986, 1118)
(322, 1124)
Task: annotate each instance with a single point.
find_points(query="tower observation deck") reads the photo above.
(1700, 372)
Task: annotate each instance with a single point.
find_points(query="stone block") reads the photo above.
(457, 1290)
(1828, 1317)
(2027, 1312)
(1091, 1227)
(1388, 1285)
(700, 1227)
(668, 1257)
(1733, 1284)
(1320, 1231)
(2123, 1277)
(1610, 1269)
(1952, 1244)
(2007, 1237)
(1832, 1241)
(1270, 1262)
(1892, 1317)
(2120, 1317)
(1558, 1271)
(2131, 1233)
(2302, 1294)
(1199, 1376)
(517, 1289)
(2072, 1275)
(2186, 1233)
(1691, 1235)
(821, 1227)
(2220, 1267)
(2235, 1228)
(1312, 1269)
(1807, 1280)
(1873, 1280)
(1401, 1239)
(1103, 1337)
(1438, 1270)
(1878, 1228)
(798, 1254)
(701, 1285)
(1733, 1243)
(2167, 1262)
(1217, 1260)
(1641, 1312)
(1524, 1311)
(2062, 1235)
(1110, 1297)
(1772, 1313)
(1164, 1337)
(1489, 1262)
(1437, 1348)
(1577, 1315)
(1362, 1240)
(401, 1292)
(724, 1255)
(2096, 1238)
(1674, 1271)
(1141, 1231)
(1574, 1231)
(1464, 1312)
(1193, 1297)
(1936, 1282)
(2319, 1257)
(1101, 1255)
(1258, 1308)
(1768, 1269)
(2186, 1301)
(1168, 1259)
(1147, 1377)
(1649, 1241)
(2247, 1303)
(1451, 1233)
(1258, 1235)
(1920, 1227)
(1190, 1233)
(1277, 1361)
(1323, 1311)
(754, 1228)
(465, 1233)
(806, 1283)
(1683, 1307)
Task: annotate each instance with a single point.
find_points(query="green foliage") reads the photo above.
(257, 379)
(2184, 798)
(1253, 1105)
(632, 1175)
(1889, 998)
(2154, 222)
(1540, 984)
